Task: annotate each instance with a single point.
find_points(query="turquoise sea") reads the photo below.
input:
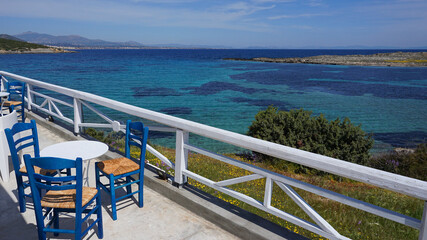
(389, 102)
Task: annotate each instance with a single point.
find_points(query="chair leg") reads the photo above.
(40, 221)
(42, 234)
(99, 215)
(113, 197)
(141, 189)
(23, 114)
(78, 227)
(55, 221)
(21, 194)
(128, 188)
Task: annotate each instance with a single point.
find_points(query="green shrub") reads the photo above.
(98, 135)
(299, 129)
(110, 138)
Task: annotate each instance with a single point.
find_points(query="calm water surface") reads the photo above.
(198, 85)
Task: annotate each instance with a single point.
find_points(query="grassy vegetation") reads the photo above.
(348, 221)
(13, 45)
(412, 163)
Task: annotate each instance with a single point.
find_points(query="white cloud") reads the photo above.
(315, 3)
(163, 1)
(272, 1)
(305, 15)
(244, 8)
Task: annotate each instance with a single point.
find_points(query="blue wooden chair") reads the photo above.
(65, 194)
(119, 171)
(16, 98)
(23, 136)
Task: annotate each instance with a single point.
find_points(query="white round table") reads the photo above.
(86, 150)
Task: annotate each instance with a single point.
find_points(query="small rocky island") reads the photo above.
(395, 59)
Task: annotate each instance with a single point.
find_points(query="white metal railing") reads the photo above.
(182, 128)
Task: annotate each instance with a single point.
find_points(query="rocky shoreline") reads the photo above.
(395, 59)
(35, 51)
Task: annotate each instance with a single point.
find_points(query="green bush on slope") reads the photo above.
(300, 129)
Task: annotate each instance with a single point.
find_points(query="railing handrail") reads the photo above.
(409, 186)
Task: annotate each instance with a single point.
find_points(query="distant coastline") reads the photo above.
(395, 59)
(35, 51)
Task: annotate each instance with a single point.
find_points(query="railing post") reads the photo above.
(181, 157)
(30, 98)
(78, 115)
(423, 229)
(268, 192)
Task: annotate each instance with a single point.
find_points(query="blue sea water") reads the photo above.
(197, 84)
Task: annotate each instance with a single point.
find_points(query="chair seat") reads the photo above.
(10, 103)
(67, 198)
(118, 166)
(38, 170)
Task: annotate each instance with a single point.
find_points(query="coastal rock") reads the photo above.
(397, 59)
(404, 150)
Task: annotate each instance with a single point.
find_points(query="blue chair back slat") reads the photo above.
(53, 163)
(23, 139)
(135, 144)
(55, 187)
(22, 146)
(54, 178)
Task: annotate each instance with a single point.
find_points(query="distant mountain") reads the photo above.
(5, 36)
(73, 41)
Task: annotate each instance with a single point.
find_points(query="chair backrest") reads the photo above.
(136, 135)
(16, 91)
(19, 137)
(56, 183)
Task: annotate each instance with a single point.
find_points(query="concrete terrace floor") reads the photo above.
(160, 218)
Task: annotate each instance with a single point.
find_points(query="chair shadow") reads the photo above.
(122, 204)
(67, 221)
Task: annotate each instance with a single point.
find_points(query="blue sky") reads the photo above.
(263, 23)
